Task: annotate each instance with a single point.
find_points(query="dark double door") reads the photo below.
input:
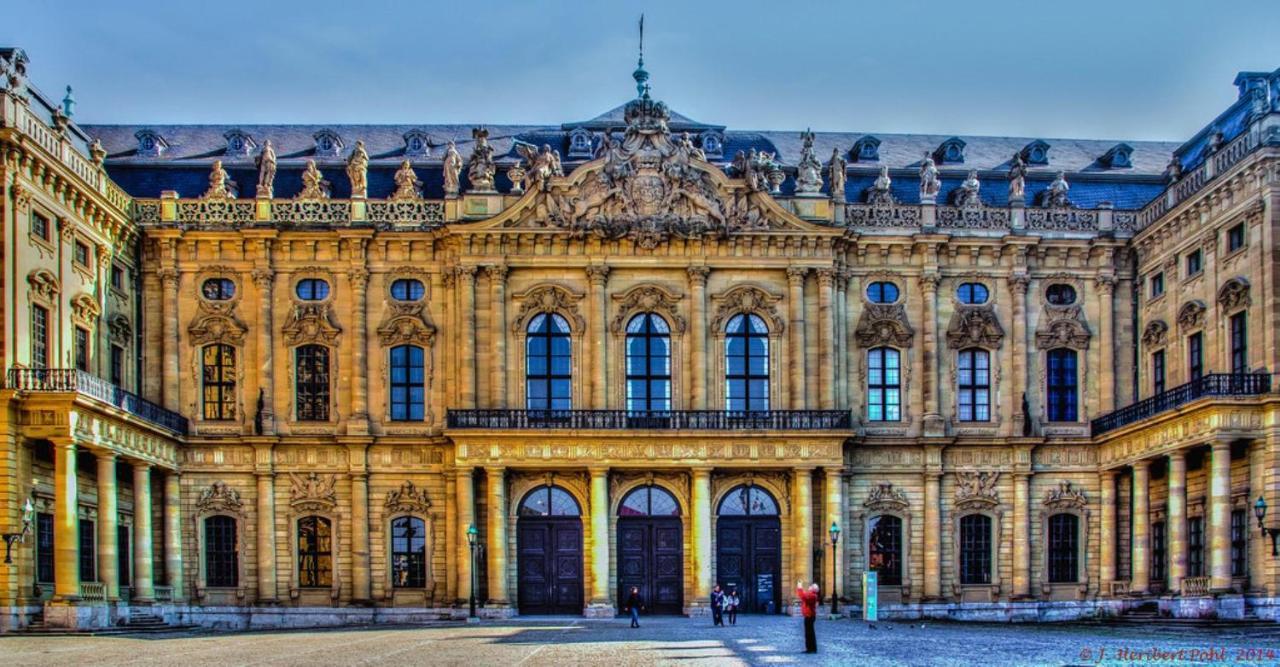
(651, 557)
(549, 558)
(749, 558)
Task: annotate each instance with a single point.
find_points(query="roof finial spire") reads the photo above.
(69, 104)
(640, 75)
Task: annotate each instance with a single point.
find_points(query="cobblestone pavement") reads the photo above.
(672, 641)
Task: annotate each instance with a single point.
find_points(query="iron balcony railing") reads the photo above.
(612, 420)
(1217, 384)
(78, 381)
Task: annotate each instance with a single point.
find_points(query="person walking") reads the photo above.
(809, 608)
(717, 606)
(731, 602)
(634, 604)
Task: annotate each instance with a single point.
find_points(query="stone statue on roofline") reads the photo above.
(452, 170)
(1056, 194)
(480, 167)
(837, 170)
(542, 165)
(358, 171)
(313, 185)
(408, 187)
(967, 193)
(809, 171)
(266, 170)
(1173, 172)
(929, 182)
(218, 188)
(516, 173)
(1017, 179)
(881, 191)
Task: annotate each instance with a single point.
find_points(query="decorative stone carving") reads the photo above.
(1017, 179)
(1066, 497)
(748, 299)
(880, 193)
(974, 326)
(643, 299)
(216, 322)
(1062, 326)
(883, 324)
(313, 493)
(967, 193)
(1055, 196)
(976, 490)
(1173, 171)
(407, 498)
(219, 498)
(44, 284)
(883, 497)
(218, 182)
(408, 187)
(313, 186)
(809, 171)
(929, 182)
(310, 322)
(516, 174)
(85, 308)
(837, 169)
(119, 330)
(358, 171)
(1155, 334)
(548, 299)
(406, 323)
(452, 167)
(1191, 315)
(480, 167)
(266, 163)
(1234, 294)
(542, 162)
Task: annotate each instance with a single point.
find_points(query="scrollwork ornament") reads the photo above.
(1191, 315)
(976, 490)
(1234, 294)
(1066, 496)
(408, 498)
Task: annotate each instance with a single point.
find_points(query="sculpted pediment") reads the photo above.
(974, 326)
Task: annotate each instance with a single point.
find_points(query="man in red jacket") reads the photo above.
(809, 607)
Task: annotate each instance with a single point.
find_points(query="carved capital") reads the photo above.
(169, 278)
(263, 279)
(698, 275)
(497, 273)
(929, 282)
(66, 229)
(796, 275)
(359, 279)
(597, 274)
(1105, 284)
(1019, 283)
(826, 278)
(466, 275)
(21, 197)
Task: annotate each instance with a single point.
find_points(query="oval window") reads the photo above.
(407, 289)
(1060, 295)
(972, 293)
(882, 292)
(312, 289)
(218, 289)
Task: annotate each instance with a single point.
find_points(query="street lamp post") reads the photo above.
(1260, 511)
(9, 538)
(472, 534)
(835, 570)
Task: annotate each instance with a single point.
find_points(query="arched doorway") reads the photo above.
(651, 549)
(749, 548)
(549, 552)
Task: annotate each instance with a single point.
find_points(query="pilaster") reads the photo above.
(826, 338)
(358, 423)
(795, 306)
(497, 274)
(264, 281)
(1106, 285)
(1176, 521)
(467, 338)
(465, 509)
(698, 336)
(169, 280)
(1220, 516)
(496, 482)
(598, 277)
(600, 603)
(701, 531)
(802, 511)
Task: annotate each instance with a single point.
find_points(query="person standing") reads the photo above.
(809, 608)
(717, 606)
(731, 602)
(634, 604)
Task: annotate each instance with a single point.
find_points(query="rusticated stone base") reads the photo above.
(997, 612)
(596, 610)
(1225, 607)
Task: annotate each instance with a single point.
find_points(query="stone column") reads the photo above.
(169, 280)
(1106, 294)
(1220, 517)
(698, 337)
(929, 374)
(1018, 342)
(1021, 535)
(359, 421)
(842, 340)
(1140, 581)
(498, 334)
(361, 585)
(108, 525)
(143, 582)
(932, 535)
(495, 479)
(700, 528)
(266, 511)
(600, 604)
(451, 533)
(833, 484)
(172, 533)
(826, 339)
(1259, 545)
(598, 277)
(466, 504)
(1176, 521)
(802, 508)
(467, 336)
(66, 523)
(1107, 530)
(264, 279)
(795, 307)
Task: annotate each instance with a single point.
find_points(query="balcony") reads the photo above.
(1218, 384)
(73, 380)
(674, 420)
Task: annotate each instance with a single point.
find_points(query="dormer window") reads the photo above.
(950, 151)
(712, 143)
(580, 143)
(1117, 157)
(417, 144)
(1036, 152)
(866, 149)
(150, 143)
(239, 144)
(328, 143)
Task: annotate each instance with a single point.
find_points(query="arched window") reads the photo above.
(549, 501)
(1064, 542)
(221, 555)
(648, 363)
(218, 377)
(884, 548)
(973, 385)
(407, 383)
(311, 382)
(548, 372)
(748, 500)
(312, 289)
(649, 501)
(408, 552)
(407, 289)
(315, 552)
(1061, 388)
(884, 385)
(975, 549)
(747, 363)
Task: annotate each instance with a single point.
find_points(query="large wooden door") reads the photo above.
(651, 557)
(549, 555)
(749, 558)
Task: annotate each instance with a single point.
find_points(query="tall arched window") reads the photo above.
(1062, 383)
(408, 552)
(548, 374)
(315, 552)
(884, 385)
(311, 382)
(975, 549)
(221, 556)
(549, 501)
(748, 501)
(1064, 554)
(973, 385)
(884, 548)
(218, 375)
(649, 501)
(746, 363)
(407, 383)
(648, 363)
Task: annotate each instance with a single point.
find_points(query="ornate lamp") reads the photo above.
(835, 569)
(472, 541)
(28, 514)
(1260, 511)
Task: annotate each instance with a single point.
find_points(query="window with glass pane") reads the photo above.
(315, 552)
(219, 381)
(407, 289)
(1060, 294)
(1239, 543)
(972, 293)
(1062, 385)
(1157, 371)
(1235, 238)
(1195, 262)
(648, 363)
(218, 289)
(311, 385)
(882, 292)
(312, 289)
(1064, 555)
(649, 501)
(1157, 285)
(1195, 356)
(746, 363)
(748, 500)
(221, 558)
(1159, 553)
(117, 276)
(81, 253)
(39, 337)
(88, 542)
(407, 383)
(408, 552)
(124, 555)
(1239, 344)
(975, 549)
(548, 375)
(884, 549)
(44, 548)
(549, 501)
(1195, 547)
(117, 365)
(973, 385)
(884, 385)
(82, 348)
(40, 226)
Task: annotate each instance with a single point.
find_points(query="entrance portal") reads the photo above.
(651, 550)
(749, 549)
(549, 552)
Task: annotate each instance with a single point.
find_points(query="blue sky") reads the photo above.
(1076, 68)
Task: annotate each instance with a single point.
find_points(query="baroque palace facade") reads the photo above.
(286, 375)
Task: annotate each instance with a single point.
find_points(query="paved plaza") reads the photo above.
(576, 641)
